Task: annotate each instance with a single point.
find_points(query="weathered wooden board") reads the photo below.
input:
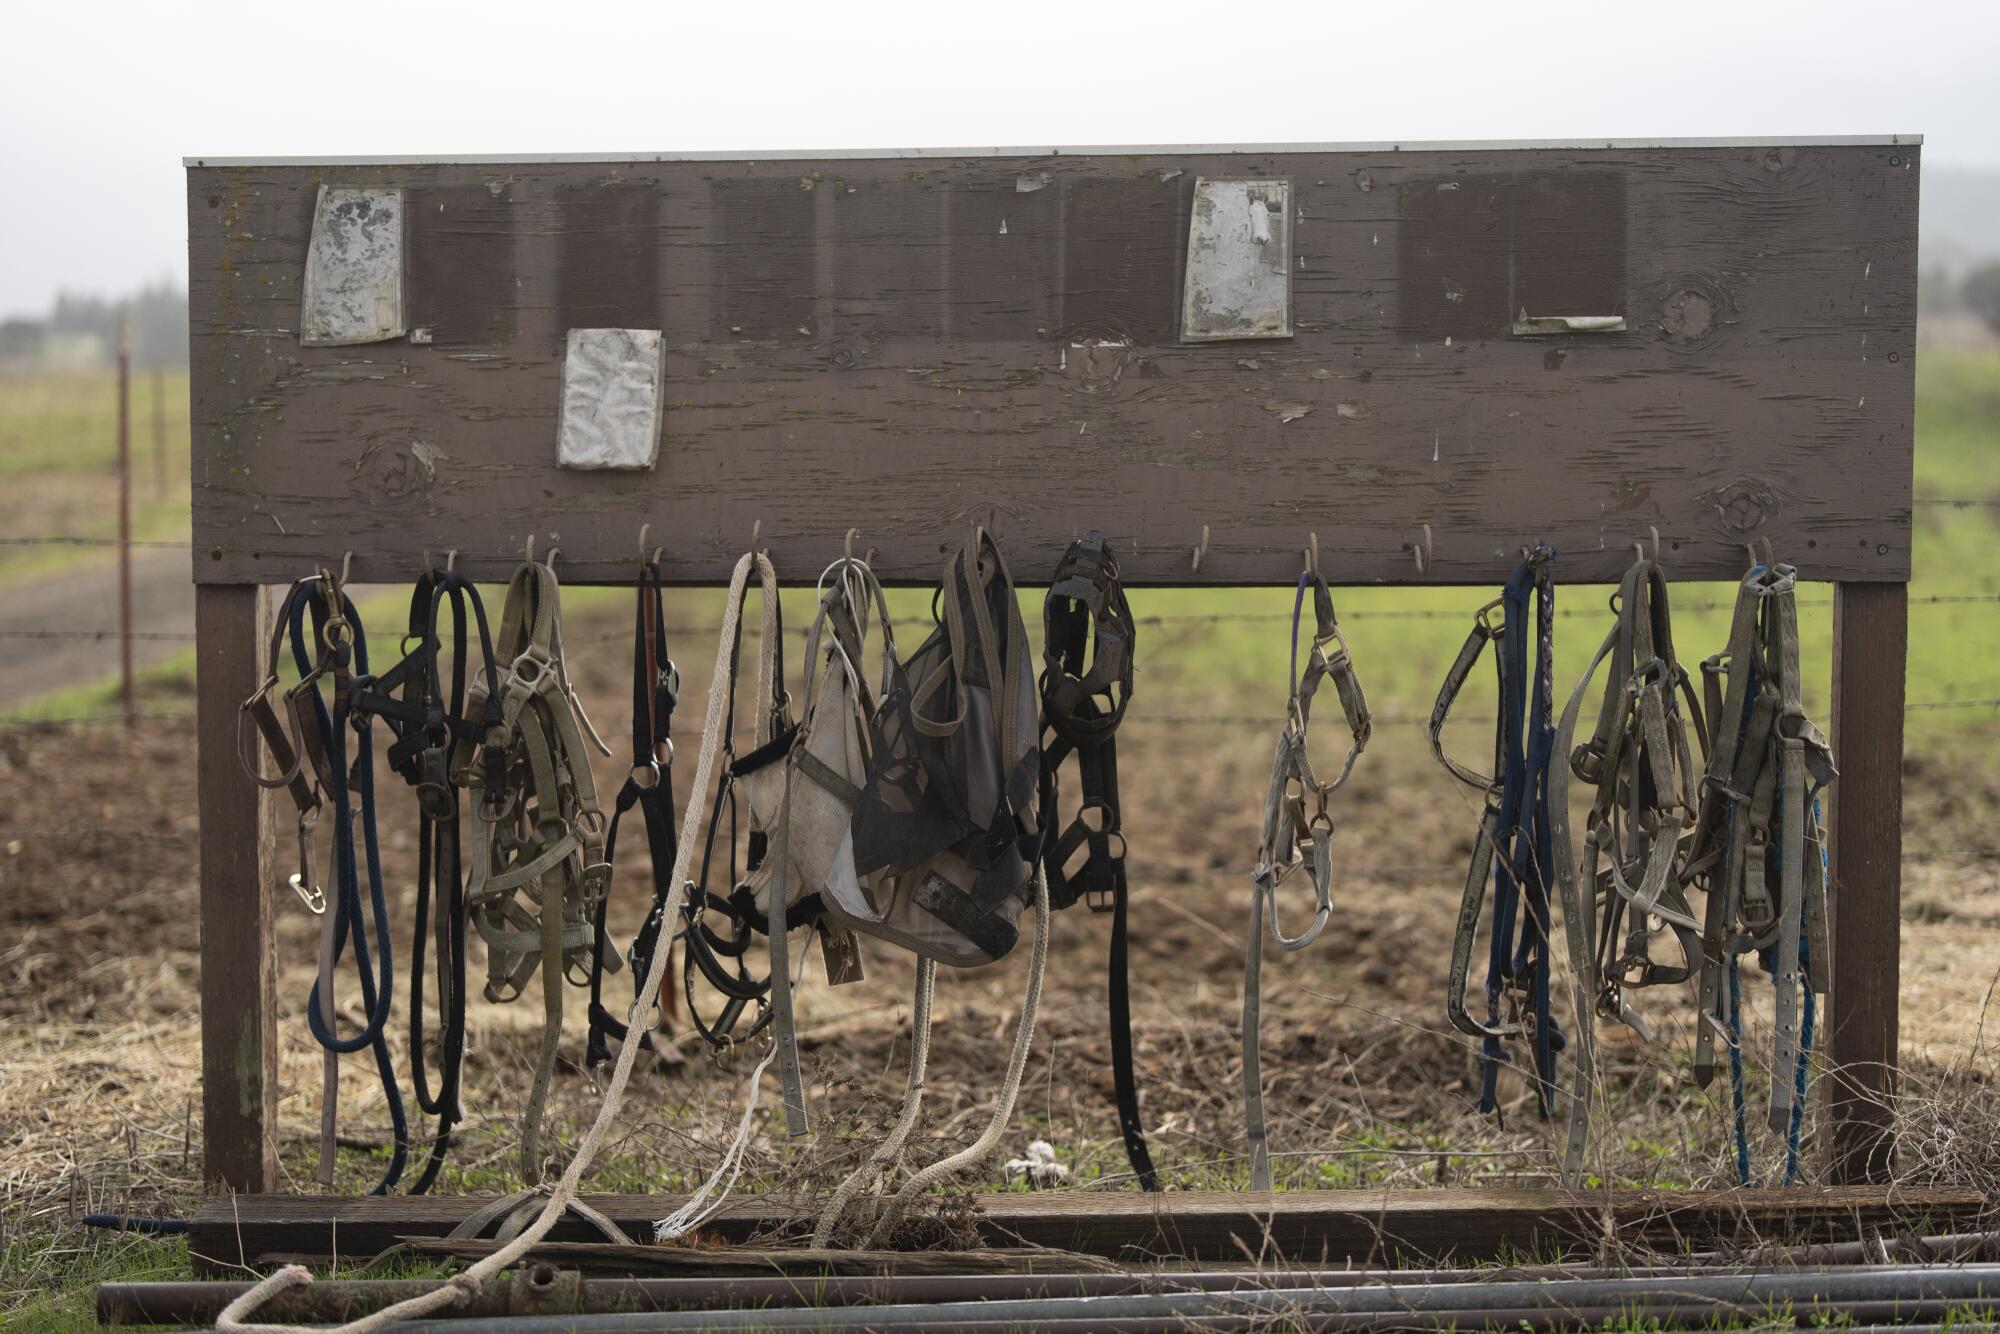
(1311, 1225)
(913, 345)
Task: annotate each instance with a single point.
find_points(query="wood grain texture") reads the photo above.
(239, 1035)
(913, 346)
(1870, 649)
(1308, 1225)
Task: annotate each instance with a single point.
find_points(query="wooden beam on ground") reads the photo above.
(1870, 642)
(239, 1036)
(1370, 1226)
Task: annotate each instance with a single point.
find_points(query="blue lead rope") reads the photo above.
(1521, 885)
(377, 987)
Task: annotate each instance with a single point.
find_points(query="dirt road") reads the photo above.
(61, 629)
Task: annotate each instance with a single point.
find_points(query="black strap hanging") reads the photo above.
(649, 787)
(1086, 619)
(426, 722)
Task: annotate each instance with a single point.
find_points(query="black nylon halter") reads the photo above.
(1087, 619)
(656, 687)
(427, 722)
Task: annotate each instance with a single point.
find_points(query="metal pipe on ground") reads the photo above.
(543, 1288)
(1875, 1295)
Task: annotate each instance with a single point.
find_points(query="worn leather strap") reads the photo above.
(1086, 684)
(650, 788)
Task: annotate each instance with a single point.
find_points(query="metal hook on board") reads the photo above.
(1654, 529)
(847, 544)
(549, 562)
(531, 549)
(756, 535)
(645, 530)
(1312, 555)
(1770, 559)
(1201, 549)
(1423, 552)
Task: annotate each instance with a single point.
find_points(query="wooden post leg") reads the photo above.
(239, 1049)
(1870, 642)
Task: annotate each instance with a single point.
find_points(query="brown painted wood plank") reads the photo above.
(239, 1039)
(1870, 648)
(914, 346)
(1311, 1226)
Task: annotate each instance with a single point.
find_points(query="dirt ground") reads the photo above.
(99, 1032)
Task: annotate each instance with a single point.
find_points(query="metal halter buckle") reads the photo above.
(309, 894)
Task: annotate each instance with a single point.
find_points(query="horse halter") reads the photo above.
(427, 722)
(1298, 829)
(648, 786)
(1086, 620)
(1516, 850)
(722, 961)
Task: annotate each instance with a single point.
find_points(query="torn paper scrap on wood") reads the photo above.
(1238, 282)
(353, 288)
(613, 385)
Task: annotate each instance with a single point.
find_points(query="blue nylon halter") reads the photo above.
(377, 983)
(1521, 888)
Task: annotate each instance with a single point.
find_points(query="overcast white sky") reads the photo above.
(98, 103)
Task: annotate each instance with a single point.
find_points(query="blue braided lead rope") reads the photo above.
(1739, 1114)
(1795, 1132)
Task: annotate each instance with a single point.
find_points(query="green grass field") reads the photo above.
(58, 464)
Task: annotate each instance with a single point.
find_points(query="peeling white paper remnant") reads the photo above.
(1238, 282)
(613, 386)
(353, 290)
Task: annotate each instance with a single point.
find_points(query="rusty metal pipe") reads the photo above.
(1336, 1299)
(347, 1299)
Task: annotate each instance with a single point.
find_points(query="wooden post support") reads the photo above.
(1870, 642)
(239, 1045)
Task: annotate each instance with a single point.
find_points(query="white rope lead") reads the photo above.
(692, 1214)
(231, 1320)
(1003, 1111)
(883, 1160)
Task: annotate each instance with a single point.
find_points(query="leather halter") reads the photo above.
(1758, 848)
(1086, 619)
(1516, 850)
(1298, 830)
(538, 870)
(649, 786)
(721, 960)
(1641, 769)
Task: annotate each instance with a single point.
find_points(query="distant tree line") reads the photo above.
(84, 329)
(1979, 294)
